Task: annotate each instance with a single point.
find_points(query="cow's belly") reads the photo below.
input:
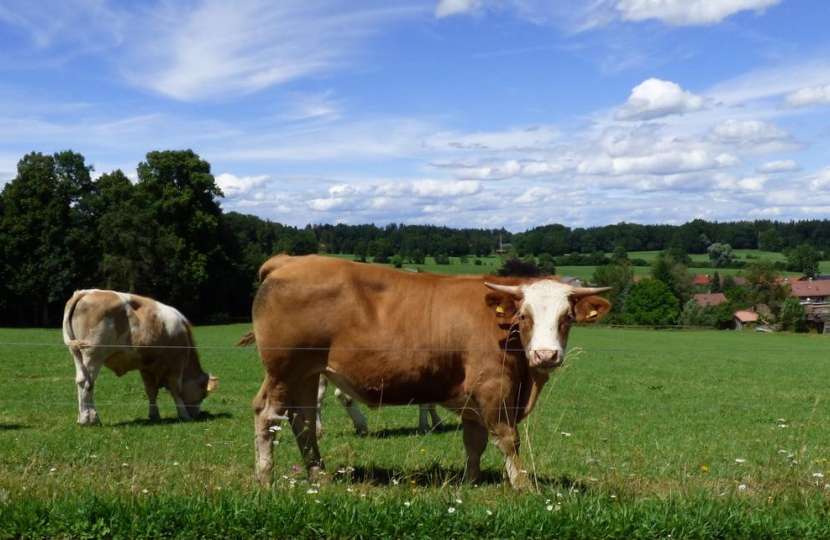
(122, 362)
(398, 386)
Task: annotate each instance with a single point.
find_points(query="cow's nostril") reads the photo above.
(543, 356)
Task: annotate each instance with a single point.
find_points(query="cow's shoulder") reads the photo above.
(152, 313)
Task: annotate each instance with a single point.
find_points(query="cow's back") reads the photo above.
(317, 301)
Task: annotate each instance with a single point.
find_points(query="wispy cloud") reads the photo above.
(688, 12)
(582, 16)
(215, 49)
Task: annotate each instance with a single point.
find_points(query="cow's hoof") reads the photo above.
(317, 475)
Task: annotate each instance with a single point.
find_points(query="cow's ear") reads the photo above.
(591, 308)
(502, 304)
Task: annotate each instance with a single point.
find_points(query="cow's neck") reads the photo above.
(192, 367)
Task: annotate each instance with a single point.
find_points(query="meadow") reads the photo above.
(643, 434)
(491, 263)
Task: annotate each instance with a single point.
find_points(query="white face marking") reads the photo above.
(547, 305)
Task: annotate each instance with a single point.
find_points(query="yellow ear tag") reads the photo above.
(592, 314)
(500, 311)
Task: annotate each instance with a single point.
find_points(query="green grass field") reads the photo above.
(643, 434)
(585, 273)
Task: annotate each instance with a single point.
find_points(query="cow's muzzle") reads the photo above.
(546, 360)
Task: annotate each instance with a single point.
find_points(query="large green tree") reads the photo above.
(764, 287)
(188, 265)
(46, 236)
(805, 259)
(651, 302)
(620, 277)
(670, 270)
(125, 229)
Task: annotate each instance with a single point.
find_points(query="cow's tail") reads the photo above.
(68, 333)
(247, 339)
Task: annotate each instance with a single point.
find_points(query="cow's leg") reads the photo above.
(475, 441)
(426, 412)
(506, 437)
(152, 391)
(302, 415)
(174, 385)
(87, 368)
(361, 426)
(321, 395)
(269, 410)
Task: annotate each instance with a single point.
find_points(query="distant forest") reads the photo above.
(166, 236)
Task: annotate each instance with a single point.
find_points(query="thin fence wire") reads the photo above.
(572, 355)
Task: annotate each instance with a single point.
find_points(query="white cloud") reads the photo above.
(665, 163)
(434, 188)
(777, 166)
(339, 196)
(753, 183)
(655, 98)
(509, 169)
(234, 187)
(821, 179)
(446, 8)
(534, 195)
(581, 16)
(808, 96)
(688, 12)
(747, 131)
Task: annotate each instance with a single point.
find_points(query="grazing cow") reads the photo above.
(126, 332)
(361, 426)
(482, 347)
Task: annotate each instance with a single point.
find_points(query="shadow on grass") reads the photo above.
(14, 427)
(436, 476)
(386, 433)
(205, 417)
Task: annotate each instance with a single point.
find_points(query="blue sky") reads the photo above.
(464, 113)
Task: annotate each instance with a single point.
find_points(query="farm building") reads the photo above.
(810, 291)
(744, 318)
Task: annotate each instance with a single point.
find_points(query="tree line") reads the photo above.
(166, 236)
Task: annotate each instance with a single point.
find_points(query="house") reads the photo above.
(744, 318)
(810, 291)
(710, 299)
(701, 280)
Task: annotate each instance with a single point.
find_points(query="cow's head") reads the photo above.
(544, 311)
(195, 390)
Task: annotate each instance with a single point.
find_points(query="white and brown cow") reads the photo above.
(126, 332)
(480, 346)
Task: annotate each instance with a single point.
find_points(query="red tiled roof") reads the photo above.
(746, 316)
(812, 288)
(711, 299)
(701, 279)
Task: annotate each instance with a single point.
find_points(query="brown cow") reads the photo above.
(126, 332)
(482, 347)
